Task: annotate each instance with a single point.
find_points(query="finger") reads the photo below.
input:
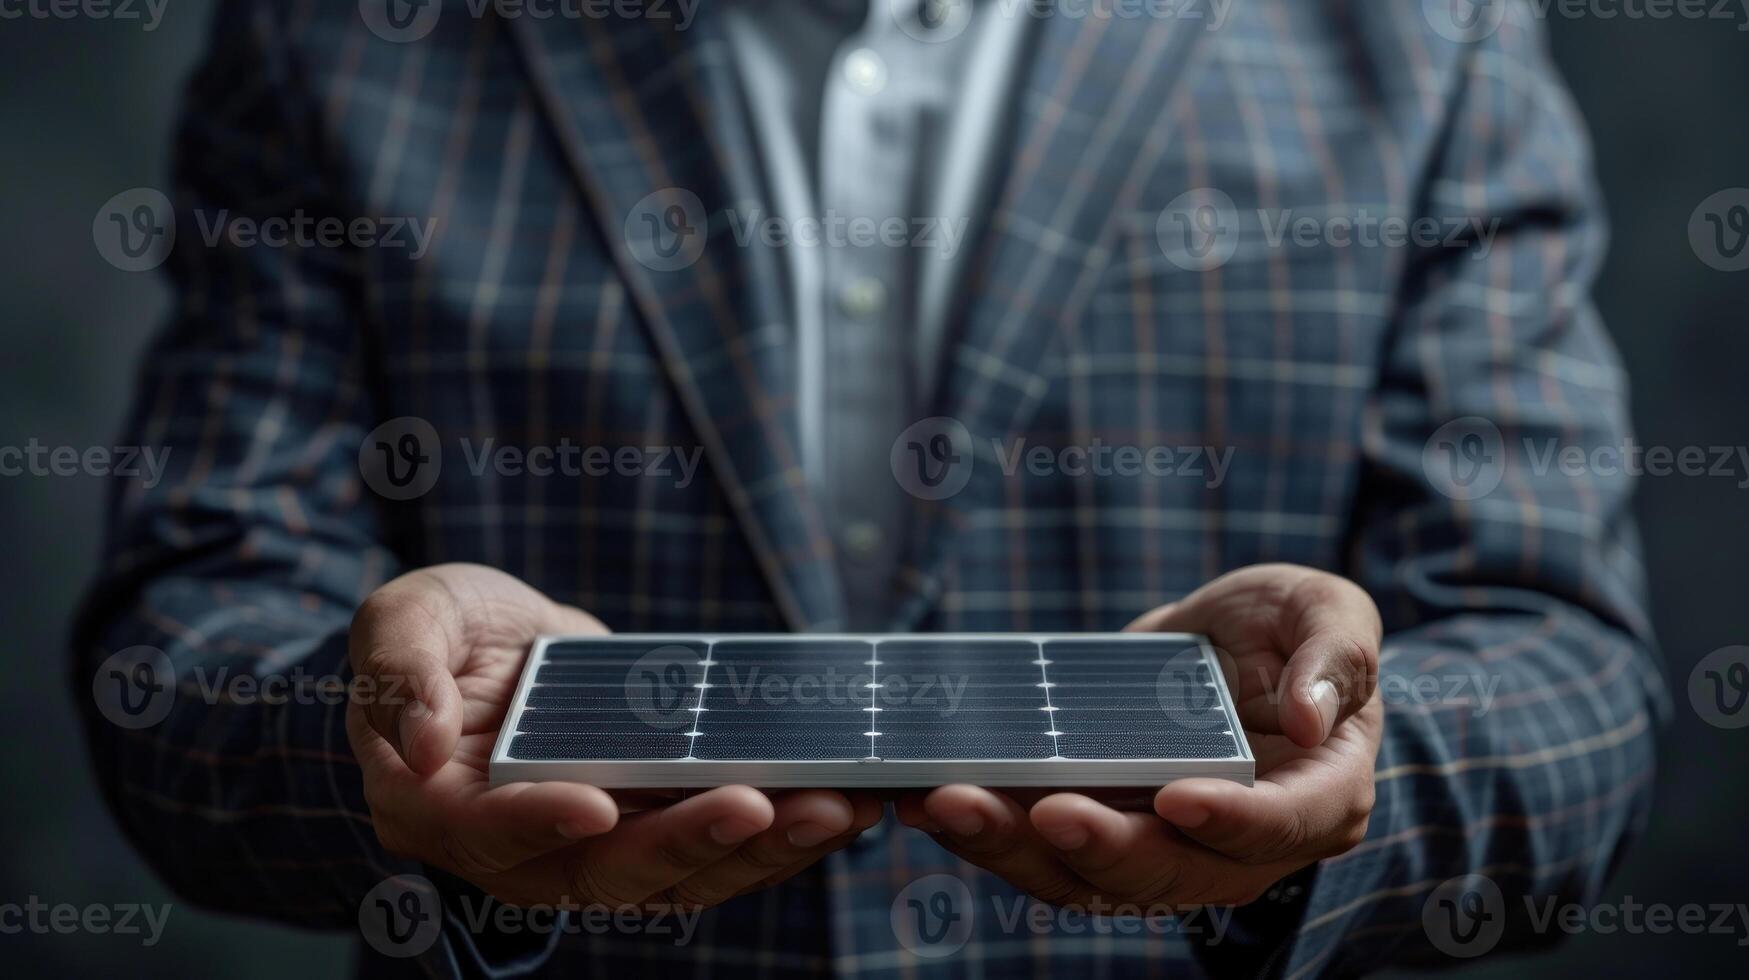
(993, 832)
(869, 811)
(801, 821)
(400, 645)
(1309, 812)
(1126, 856)
(908, 808)
(652, 851)
(808, 825)
(508, 825)
(1335, 662)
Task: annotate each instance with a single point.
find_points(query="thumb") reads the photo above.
(1335, 663)
(400, 647)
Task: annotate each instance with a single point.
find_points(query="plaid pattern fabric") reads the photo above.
(1324, 369)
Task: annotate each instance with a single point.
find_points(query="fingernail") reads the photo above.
(966, 824)
(1069, 837)
(732, 830)
(810, 834)
(1325, 700)
(412, 717)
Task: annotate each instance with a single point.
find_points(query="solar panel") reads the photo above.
(804, 710)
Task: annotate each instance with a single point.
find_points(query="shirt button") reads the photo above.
(865, 71)
(863, 298)
(863, 540)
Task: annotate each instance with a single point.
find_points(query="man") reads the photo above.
(1282, 290)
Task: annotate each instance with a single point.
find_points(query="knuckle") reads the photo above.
(1359, 657)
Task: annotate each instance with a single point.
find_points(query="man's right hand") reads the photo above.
(437, 654)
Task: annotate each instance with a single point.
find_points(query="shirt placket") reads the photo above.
(870, 139)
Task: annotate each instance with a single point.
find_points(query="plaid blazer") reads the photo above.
(1327, 366)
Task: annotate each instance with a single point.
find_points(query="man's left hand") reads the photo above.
(1302, 649)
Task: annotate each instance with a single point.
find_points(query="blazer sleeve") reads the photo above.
(238, 569)
(1522, 690)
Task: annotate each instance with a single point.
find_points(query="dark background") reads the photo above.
(88, 106)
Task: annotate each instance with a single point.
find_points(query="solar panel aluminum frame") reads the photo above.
(872, 772)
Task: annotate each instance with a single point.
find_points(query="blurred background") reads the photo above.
(89, 103)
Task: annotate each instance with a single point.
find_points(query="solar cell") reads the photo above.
(677, 711)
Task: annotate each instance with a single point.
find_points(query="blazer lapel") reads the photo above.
(1092, 124)
(651, 121)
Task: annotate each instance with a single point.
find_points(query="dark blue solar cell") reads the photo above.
(598, 746)
(1136, 699)
(953, 699)
(786, 701)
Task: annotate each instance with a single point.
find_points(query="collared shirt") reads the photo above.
(878, 123)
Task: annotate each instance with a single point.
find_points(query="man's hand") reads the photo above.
(1303, 648)
(437, 654)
